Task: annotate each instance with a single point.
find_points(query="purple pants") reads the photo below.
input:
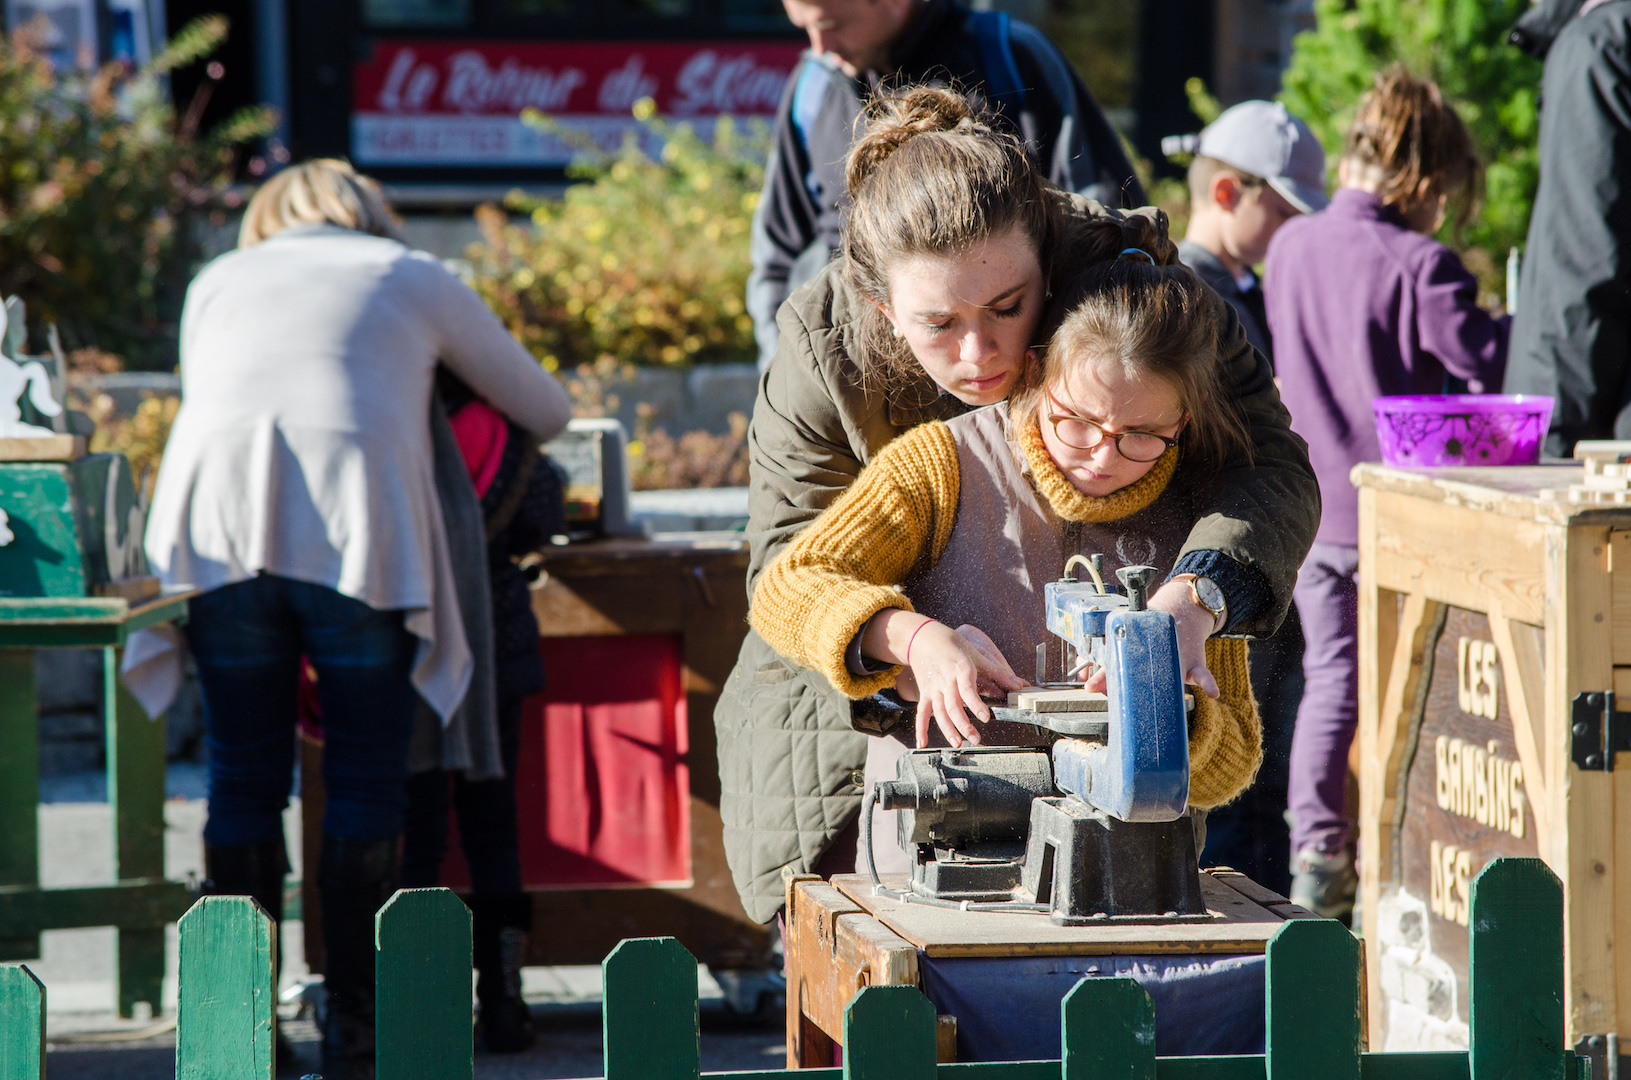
(1327, 597)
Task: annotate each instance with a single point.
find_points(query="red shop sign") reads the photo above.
(459, 103)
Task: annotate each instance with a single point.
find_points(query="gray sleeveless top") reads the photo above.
(1008, 542)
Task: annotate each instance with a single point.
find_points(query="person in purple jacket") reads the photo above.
(1362, 303)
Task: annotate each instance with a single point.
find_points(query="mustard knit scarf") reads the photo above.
(1072, 505)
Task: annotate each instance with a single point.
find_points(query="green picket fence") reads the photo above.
(651, 1029)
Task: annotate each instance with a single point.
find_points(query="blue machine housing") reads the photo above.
(1142, 773)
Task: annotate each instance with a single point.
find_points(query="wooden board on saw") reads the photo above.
(1044, 700)
(1240, 925)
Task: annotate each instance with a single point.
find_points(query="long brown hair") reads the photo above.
(1154, 321)
(931, 174)
(1417, 141)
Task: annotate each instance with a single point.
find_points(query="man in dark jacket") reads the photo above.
(1571, 335)
(860, 46)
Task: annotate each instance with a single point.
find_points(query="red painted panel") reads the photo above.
(603, 788)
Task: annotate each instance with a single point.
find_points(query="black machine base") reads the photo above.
(979, 871)
(1087, 866)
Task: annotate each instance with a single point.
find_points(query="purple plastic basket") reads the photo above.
(1462, 429)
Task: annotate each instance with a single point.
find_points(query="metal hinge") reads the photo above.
(1599, 732)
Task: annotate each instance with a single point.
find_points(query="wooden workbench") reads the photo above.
(692, 588)
(140, 901)
(1486, 611)
(839, 938)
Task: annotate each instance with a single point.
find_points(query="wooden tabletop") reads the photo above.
(66, 621)
(1509, 491)
(1244, 916)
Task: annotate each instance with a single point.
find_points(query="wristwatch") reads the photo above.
(1207, 596)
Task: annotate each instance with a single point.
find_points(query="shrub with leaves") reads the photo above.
(1461, 45)
(644, 260)
(101, 184)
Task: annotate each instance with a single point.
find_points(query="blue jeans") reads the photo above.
(247, 639)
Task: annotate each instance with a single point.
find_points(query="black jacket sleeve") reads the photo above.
(1571, 337)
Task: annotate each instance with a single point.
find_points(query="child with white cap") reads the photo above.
(1255, 167)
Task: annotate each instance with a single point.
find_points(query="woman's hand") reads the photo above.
(947, 671)
(1194, 626)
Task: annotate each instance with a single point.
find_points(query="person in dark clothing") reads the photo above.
(1571, 333)
(1256, 167)
(521, 499)
(859, 46)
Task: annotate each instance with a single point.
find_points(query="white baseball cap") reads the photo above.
(1263, 139)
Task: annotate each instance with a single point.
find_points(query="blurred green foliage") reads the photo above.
(1461, 45)
(645, 260)
(102, 187)
(1100, 38)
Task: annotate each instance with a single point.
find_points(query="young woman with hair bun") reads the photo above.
(951, 251)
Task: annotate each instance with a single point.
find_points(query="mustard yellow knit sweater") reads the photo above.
(897, 518)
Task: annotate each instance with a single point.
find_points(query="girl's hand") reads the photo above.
(1194, 626)
(952, 668)
(946, 670)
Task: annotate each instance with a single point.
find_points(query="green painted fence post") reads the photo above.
(228, 991)
(422, 1019)
(889, 1035)
(1313, 1002)
(1515, 973)
(22, 1024)
(650, 1028)
(1109, 1031)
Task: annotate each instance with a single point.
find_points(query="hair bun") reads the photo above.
(893, 119)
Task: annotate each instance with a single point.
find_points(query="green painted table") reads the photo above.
(140, 901)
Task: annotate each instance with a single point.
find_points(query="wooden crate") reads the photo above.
(1486, 611)
(840, 938)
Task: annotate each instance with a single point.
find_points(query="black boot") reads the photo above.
(253, 870)
(355, 879)
(498, 931)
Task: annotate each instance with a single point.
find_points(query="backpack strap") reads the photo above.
(808, 92)
(990, 29)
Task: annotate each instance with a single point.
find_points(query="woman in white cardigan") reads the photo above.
(298, 491)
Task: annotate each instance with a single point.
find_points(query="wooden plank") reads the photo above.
(1238, 926)
(1251, 890)
(1516, 1002)
(1424, 1065)
(1622, 889)
(19, 769)
(1233, 1067)
(1582, 803)
(70, 622)
(1313, 1012)
(22, 1024)
(135, 775)
(422, 979)
(136, 904)
(228, 991)
(1407, 682)
(1378, 637)
(1507, 491)
(42, 448)
(1108, 1031)
(650, 1027)
(889, 1034)
(1422, 548)
(945, 1039)
(834, 948)
(1521, 647)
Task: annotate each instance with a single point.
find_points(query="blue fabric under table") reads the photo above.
(1007, 1008)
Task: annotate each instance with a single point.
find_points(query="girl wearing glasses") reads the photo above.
(927, 574)
(953, 245)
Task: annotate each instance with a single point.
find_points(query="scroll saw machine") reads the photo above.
(1093, 828)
